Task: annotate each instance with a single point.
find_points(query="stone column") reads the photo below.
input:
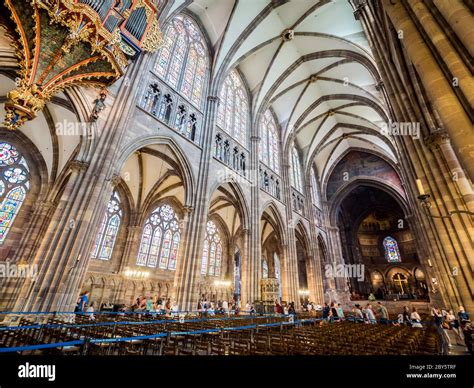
(253, 268)
(291, 258)
(439, 89)
(447, 53)
(315, 278)
(439, 142)
(64, 252)
(340, 293)
(185, 233)
(188, 268)
(460, 19)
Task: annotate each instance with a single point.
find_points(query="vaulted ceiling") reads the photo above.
(322, 83)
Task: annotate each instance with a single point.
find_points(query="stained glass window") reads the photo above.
(296, 179)
(212, 251)
(314, 189)
(108, 230)
(183, 62)
(264, 269)
(392, 254)
(232, 115)
(269, 149)
(14, 184)
(276, 262)
(160, 239)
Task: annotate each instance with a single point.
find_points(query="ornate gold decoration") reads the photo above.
(154, 38)
(65, 43)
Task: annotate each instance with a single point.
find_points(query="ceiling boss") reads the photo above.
(65, 43)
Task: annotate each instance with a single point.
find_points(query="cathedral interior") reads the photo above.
(248, 151)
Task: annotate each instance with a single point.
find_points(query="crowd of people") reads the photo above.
(459, 324)
(446, 319)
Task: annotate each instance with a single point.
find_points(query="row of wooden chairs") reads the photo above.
(216, 337)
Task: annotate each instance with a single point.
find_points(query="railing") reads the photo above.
(170, 108)
(269, 182)
(231, 153)
(297, 201)
(318, 216)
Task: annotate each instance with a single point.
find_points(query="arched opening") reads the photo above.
(375, 237)
(222, 256)
(272, 287)
(305, 290)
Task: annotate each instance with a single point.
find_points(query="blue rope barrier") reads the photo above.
(162, 312)
(118, 323)
(154, 336)
(42, 346)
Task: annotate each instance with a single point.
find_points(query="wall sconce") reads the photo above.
(222, 283)
(136, 274)
(424, 198)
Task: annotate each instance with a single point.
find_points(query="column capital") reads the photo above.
(360, 4)
(255, 138)
(43, 205)
(213, 99)
(436, 139)
(115, 180)
(189, 209)
(78, 165)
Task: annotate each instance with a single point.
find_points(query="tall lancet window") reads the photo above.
(212, 251)
(108, 230)
(264, 269)
(14, 184)
(296, 179)
(160, 239)
(269, 147)
(233, 112)
(314, 189)
(392, 253)
(183, 61)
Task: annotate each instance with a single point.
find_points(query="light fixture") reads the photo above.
(222, 283)
(424, 198)
(130, 273)
(303, 292)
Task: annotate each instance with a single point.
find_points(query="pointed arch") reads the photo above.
(183, 61)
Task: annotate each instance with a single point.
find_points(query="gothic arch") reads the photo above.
(181, 164)
(274, 217)
(343, 191)
(238, 199)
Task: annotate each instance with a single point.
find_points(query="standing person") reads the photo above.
(463, 316)
(415, 318)
(278, 308)
(369, 313)
(406, 316)
(382, 310)
(225, 307)
(359, 316)
(291, 309)
(82, 302)
(247, 307)
(174, 309)
(149, 304)
(437, 316)
(340, 311)
(453, 323)
(90, 312)
(326, 311)
(334, 314)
